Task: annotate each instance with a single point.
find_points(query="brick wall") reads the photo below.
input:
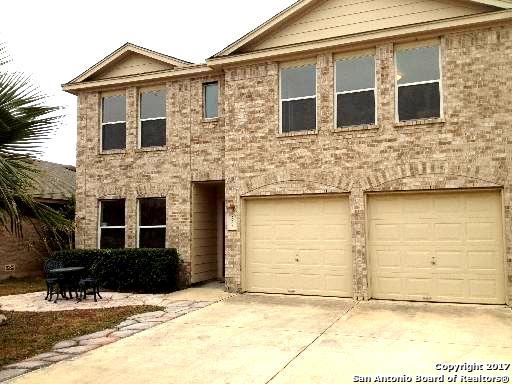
(470, 148)
(25, 253)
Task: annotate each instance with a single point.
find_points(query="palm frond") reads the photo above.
(26, 122)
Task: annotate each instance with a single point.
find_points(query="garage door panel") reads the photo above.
(307, 246)
(461, 260)
(416, 231)
(482, 231)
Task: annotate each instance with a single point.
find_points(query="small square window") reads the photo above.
(153, 121)
(113, 122)
(298, 98)
(355, 91)
(211, 100)
(112, 224)
(152, 223)
(418, 83)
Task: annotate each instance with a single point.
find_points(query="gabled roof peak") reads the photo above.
(124, 51)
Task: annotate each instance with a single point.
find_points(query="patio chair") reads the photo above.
(90, 282)
(52, 281)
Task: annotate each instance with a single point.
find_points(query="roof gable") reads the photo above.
(128, 60)
(312, 20)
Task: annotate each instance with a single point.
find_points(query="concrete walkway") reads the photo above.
(277, 339)
(34, 302)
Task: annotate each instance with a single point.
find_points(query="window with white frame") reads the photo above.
(152, 223)
(153, 119)
(211, 100)
(112, 224)
(418, 78)
(298, 98)
(355, 91)
(113, 122)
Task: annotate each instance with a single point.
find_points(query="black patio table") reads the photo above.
(69, 277)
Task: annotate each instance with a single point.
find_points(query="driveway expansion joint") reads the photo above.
(342, 315)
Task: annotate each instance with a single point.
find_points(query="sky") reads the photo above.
(54, 41)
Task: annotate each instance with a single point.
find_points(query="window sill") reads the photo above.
(410, 123)
(210, 119)
(355, 128)
(152, 149)
(113, 152)
(297, 133)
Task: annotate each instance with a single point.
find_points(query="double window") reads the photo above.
(112, 224)
(418, 87)
(153, 119)
(152, 223)
(298, 98)
(211, 100)
(355, 91)
(113, 122)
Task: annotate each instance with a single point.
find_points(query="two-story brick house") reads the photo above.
(343, 148)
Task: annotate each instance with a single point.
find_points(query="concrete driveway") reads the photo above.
(279, 339)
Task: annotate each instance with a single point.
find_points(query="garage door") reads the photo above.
(299, 246)
(444, 247)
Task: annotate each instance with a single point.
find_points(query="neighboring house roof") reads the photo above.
(55, 182)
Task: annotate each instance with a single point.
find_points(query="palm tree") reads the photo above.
(25, 123)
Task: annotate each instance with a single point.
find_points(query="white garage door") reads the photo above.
(299, 246)
(444, 247)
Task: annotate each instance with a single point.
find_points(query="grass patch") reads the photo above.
(27, 334)
(14, 286)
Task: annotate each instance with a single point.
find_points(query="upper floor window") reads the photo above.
(211, 100)
(355, 91)
(298, 98)
(153, 119)
(418, 77)
(113, 122)
(152, 223)
(112, 224)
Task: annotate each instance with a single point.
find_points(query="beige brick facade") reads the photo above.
(471, 147)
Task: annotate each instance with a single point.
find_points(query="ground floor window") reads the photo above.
(151, 223)
(112, 224)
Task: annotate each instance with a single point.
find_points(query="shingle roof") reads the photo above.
(55, 181)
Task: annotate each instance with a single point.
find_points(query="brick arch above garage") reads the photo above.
(418, 175)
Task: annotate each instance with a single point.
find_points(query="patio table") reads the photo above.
(70, 277)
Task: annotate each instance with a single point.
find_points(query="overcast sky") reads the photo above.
(54, 41)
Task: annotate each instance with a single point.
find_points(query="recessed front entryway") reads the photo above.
(445, 247)
(207, 257)
(298, 245)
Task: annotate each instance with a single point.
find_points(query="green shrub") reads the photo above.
(128, 270)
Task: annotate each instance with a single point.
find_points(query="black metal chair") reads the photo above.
(52, 281)
(90, 282)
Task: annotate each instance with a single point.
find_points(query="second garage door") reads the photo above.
(445, 247)
(298, 246)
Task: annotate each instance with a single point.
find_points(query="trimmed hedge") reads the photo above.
(128, 270)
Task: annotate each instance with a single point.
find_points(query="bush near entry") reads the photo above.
(128, 270)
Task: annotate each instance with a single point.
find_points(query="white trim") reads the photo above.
(100, 226)
(102, 124)
(356, 55)
(299, 98)
(281, 100)
(356, 91)
(418, 45)
(139, 124)
(417, 83)
(204, 85)
(139, 227)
